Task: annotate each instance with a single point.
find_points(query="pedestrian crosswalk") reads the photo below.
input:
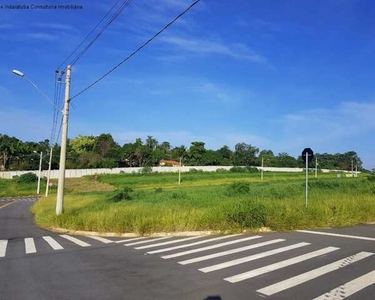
(19, 199)
(35, 245)
(235, 259)
(264, 258)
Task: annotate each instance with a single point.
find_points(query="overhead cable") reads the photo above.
(136, 51)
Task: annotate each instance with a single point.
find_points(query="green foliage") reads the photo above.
(28, 177)
(120, 195)
(221, 170)
(238, 170)
(146, 170)
(238, 188)
(195, 171)
(371, 178)
(158, 190)
(247, 214)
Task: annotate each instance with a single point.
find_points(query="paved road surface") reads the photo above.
(325, 264)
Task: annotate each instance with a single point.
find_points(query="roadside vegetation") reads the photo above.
(222, 201)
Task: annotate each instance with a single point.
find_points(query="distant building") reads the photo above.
(170, 163)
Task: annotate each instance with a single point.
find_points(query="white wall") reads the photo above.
(74, 173)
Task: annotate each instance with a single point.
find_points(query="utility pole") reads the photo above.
(40, 172)
(261, 174)
(352, 169)
(316, 167)
(61, 182)
(179, 173)
(49, 171)
(307, 178)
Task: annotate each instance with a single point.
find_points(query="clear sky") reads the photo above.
(280, 75)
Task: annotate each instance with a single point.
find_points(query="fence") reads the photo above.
(75, 173)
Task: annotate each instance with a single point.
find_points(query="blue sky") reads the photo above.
(280, 75)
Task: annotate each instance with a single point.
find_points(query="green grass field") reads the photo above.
(228, 202)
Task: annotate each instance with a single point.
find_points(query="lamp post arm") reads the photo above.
(43, 93)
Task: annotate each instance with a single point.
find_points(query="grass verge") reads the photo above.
(241, 205)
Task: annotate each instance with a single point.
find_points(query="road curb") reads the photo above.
(156, 234)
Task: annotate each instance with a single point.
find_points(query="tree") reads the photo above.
(284, 160)
(211, 158)
(9, 147)
(245, 154)
(82, 143)
(196, 152)
(226, 155)
(178, 152)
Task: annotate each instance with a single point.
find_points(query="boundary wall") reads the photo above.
(75, 173)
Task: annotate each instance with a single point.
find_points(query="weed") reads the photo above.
(158, 190)
(238, 188)
(124, 194)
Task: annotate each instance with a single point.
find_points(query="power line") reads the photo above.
(137, 50)
(87, 36)
(115, 15)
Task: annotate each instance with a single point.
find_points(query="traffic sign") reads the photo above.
(307, 153)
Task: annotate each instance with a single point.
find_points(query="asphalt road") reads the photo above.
(37, 264)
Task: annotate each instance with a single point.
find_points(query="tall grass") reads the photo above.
(232, 207)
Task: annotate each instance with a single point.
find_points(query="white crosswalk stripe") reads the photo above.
(101, 239)
(168, 243)
(147, 241)
(236, 250)
(349, 288)
(3, 247)
(251, 258)
(211, 247)
(29, 246)
(279, 265)
(53, 243)
(302, 278)
(130, 239)
(192, 244)
(75, 240)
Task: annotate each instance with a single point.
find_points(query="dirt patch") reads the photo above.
(84, 184)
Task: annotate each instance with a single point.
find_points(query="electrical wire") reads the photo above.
(87, 36)
(115, 15)
(136, 51)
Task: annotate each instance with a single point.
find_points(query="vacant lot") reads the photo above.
(210, 201)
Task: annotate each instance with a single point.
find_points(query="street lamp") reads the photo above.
(40, 171)
(64, 136)
(21, 74)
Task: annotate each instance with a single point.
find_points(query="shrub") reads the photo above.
(238, 188)
(247, 214)
(158, 190)
(371, 178)
(195, 171)
(252, 170)
(123, 194)
(222, 170)
(28, 177)
(238, 170)
(146, 170)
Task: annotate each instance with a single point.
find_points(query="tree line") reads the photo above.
(84, 152)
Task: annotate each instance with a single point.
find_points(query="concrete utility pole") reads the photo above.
(61, 183)
(49, 171)
(307, 178)
(261, 174)
(316, 167)
(352, 169)
(179, 172)
(40, 172)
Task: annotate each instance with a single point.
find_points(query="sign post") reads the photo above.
(307, 156)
